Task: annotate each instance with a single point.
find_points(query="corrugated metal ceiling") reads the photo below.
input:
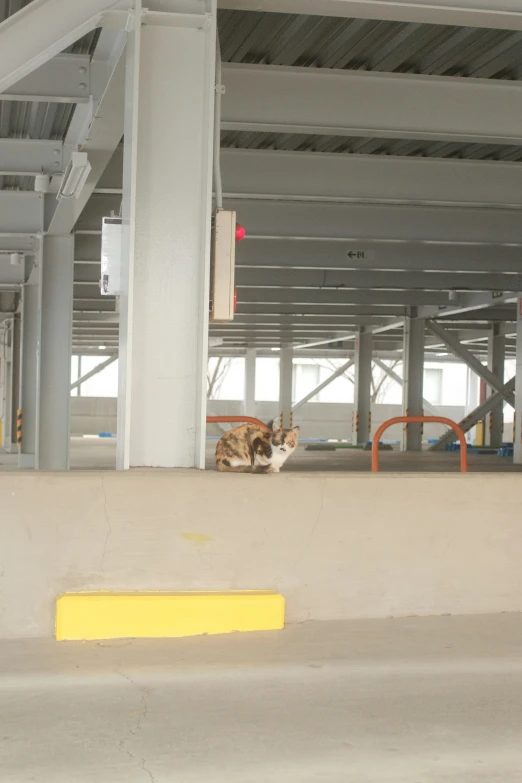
(32, 120)
(360, 44)
(321, 42)
(369, 146)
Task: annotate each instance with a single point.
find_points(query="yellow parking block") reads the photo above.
(106, 615)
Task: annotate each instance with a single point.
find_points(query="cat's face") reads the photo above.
(284, 441)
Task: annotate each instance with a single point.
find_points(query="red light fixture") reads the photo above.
(240, 233)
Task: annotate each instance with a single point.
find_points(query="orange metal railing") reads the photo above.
(420, 420)
(235, 419)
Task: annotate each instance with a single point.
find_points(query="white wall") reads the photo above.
(92, 415)
(330, 419)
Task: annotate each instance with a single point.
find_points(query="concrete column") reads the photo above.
(286, 379)
(56, 344)
(30, 368)
(167, 190)
(5, 384)
(496, 359)
(361, 427)
(517, 457)
(10, 388)
(250, 382)
(412, 390)
(14, 369)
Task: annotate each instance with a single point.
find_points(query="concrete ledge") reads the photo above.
(337, 546)
(89, 616)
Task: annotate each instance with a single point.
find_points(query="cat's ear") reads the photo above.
(275, 426)
(296, 429)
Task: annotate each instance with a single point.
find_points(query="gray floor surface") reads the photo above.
(418, 700)
(100, 454)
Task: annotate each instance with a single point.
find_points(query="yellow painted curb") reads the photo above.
(162, 615)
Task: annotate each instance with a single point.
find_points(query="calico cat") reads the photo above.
(241, 447)
(284, 443)
(253, 449)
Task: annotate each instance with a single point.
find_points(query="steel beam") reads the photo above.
(336, 374)
(467, 357)
(250, 382)
(502, 14)
(380, 312)
(286, 382)
(362, 408)
(469, 302)
(390, 222)
(374, 279)
(339, 296)
(334, 177)
(278, 320)
(413, 368)
(95, 371)
(20, 212)
(30, 369)
(477, 415)
(517, 440)
(64, 79)
(496, 361)
(280, 99)
(41, 30)
(97, 128)
(427, 406)
(28, 156)
(55, 352)
(384, 254)
(166, 243)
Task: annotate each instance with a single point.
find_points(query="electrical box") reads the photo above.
(110, 280)
(223, 260)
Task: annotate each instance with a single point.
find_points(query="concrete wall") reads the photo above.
(335, 546)
(92, 415)
(334, 420)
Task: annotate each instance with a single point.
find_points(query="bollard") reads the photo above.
(19, 427)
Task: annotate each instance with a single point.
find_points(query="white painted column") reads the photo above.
(286, 379)
(250, 382)
(30, 369)
(517, 443)
(167, 189)
(362, 404)
(13, 396)
(412, 390)
(496, 359)
(56, 344)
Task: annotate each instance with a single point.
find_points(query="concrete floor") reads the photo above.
(418, 700)
(100, 454)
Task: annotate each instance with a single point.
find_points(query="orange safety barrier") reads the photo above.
(235, 419)
(420, 420)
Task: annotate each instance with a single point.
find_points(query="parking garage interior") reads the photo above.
(370, 153)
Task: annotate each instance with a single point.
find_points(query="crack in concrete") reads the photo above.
(140, 719)
(109, 527)
(314, 528)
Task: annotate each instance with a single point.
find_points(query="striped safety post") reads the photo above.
(19, 426)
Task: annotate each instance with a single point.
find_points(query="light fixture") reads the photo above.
(17, 259)
(102, 347)
(75, 175)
